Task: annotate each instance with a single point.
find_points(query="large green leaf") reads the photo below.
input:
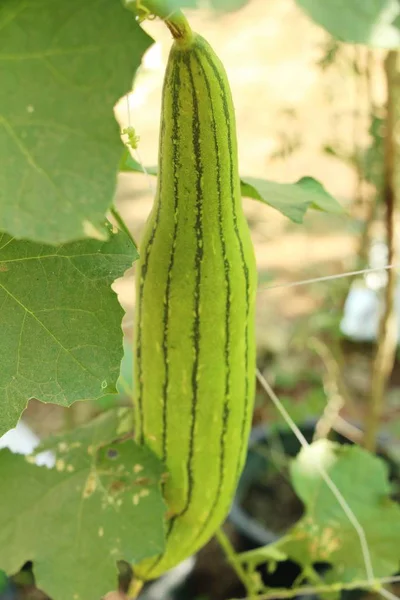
(325, 532)
(290, 199)
(60, 321)
(371, 22)
(102, 503)
(63, 65)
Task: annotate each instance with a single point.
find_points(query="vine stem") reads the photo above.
(135, 588)
(375, 586)
(231, 555)
(122, 225)
(334, 395)
(387, 336)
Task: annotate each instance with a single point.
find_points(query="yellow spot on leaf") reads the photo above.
(60, 464)
(90, 486)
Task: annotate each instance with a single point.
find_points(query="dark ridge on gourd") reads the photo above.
(198, 269)
(199, 50)
(197, 289)
(227, 268)
(143, 273)
(237, 233)
(176, 82)
(184, 58)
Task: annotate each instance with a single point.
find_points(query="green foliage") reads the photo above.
(63, 66)
(100, 504)
(291, 199)
(60, 321)
(325, 533)
(124, 383)
(372, 160)
(146, 8)
(3, 582)
(371, 22)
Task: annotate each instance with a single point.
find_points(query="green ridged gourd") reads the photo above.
(195, 290)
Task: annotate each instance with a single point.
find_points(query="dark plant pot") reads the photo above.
(255, 481)
(257, 464)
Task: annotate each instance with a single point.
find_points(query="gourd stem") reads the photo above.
(164, 10)
(179, 27)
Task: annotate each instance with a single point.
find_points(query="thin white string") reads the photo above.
(332, 486)
(386, 594)
(136, 151)
(148, 177)
(327, 277)
(394, 579)
(316, 280)
(128, 109)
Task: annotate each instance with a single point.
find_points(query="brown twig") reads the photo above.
(335, 400)
(371, 200)
(387, 336)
